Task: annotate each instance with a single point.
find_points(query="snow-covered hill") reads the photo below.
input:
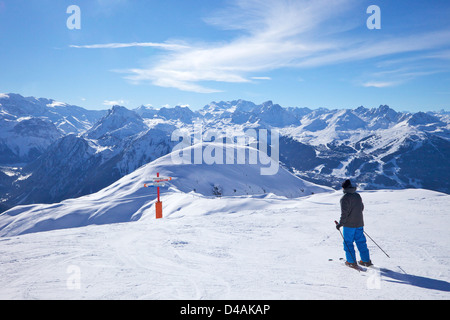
(228, 248)
(126, 199)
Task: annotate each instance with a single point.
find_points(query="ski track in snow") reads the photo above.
(271, 248)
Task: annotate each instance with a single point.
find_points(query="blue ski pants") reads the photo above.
(355, 235)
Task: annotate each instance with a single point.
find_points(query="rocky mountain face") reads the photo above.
(28, 126)
(50, 151)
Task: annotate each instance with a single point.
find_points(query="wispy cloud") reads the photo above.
(166, 46)
(395, 72)
(379, 84)
(271, 38)
(261, 78)
(273, 35)
(111, 103)
(367, 48)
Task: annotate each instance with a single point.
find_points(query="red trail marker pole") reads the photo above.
(158, 204)
(157, 182)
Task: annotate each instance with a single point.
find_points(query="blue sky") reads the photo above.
(304, 53)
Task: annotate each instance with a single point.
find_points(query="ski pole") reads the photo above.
(345, 242)
(376, 244)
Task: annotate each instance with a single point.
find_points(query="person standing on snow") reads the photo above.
(352, 220)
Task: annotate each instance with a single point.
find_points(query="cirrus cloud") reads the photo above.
(273, 35)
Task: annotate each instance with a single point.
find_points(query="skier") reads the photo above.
(352, 220)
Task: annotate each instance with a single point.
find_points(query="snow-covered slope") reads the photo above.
(233, 248)
(126, 199)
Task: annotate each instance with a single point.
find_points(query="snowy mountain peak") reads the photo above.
(147, 112)
(267, 104)
(117, 110)
(347, 120)
(184, 114)
(227, 107)
(384, 108)
(422, 118)
(67, 118)
(382, 117)
(118, 123)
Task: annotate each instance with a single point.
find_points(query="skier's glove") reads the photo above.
(338, 226)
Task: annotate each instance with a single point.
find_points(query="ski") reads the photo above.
(356, 267)
(365, 264)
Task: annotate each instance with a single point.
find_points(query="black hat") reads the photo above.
(346, 184)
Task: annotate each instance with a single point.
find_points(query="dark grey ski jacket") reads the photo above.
(352, 209)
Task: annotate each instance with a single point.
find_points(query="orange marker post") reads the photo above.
(157, 182)
(158, 204)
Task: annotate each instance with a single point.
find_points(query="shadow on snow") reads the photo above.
(418, 281)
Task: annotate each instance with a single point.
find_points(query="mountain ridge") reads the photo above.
(376, 147)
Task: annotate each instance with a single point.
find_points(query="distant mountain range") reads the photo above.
(51, 151)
